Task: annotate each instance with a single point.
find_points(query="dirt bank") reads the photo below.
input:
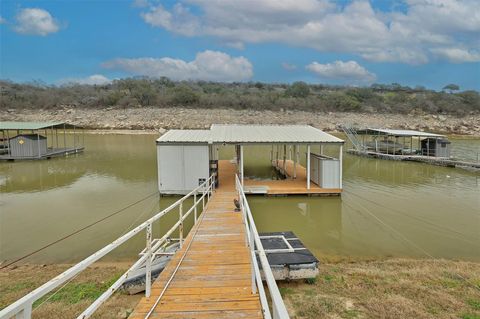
(167, 118)
(394, 288)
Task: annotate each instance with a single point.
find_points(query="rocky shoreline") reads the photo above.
(149, 118)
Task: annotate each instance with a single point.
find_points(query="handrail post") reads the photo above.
(254, 255)
(195, 207)
(148, 264)
(203, 200)
(180, 227)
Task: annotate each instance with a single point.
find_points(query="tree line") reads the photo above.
(163, 92)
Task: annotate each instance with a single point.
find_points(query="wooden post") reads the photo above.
(308, 166)
(64, 137)
(285, 160)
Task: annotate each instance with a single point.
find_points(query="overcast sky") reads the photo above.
(411, 42)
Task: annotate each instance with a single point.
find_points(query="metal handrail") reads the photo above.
(279, 311)
(22, 308)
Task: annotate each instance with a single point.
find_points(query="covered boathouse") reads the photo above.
(186, 158)
(39, 140)
(398, 143)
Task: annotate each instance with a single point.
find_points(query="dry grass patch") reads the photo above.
(71, 300)
(395, 288)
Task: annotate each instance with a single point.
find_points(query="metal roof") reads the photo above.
(238, 134)
(374, 131)
(33, 125)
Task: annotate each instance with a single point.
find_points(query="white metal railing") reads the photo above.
(253, 241)
(22, 308)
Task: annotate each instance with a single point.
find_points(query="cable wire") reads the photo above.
(77, 231)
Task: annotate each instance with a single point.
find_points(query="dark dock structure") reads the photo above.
(39, 140)
(404, 145)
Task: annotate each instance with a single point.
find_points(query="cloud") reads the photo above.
(207, 65)
(96, 79)
(409, 35)
(349, 71)
(457, 55)
(2, 20)
(288, 66)
(35, 21)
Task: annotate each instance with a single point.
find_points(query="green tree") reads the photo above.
(298, 89)
(451, 87)
(184, 95)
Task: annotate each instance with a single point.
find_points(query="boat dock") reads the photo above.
(439, 161)
(294, 183)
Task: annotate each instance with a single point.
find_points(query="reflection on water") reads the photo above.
(387, 209)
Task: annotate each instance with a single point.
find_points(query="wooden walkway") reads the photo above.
(214, 278)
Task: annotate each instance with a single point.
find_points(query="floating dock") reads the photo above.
(288, 186)
(439, 161)
(289, 259)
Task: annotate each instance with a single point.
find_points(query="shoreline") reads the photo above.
(150, 119)
(387, 288)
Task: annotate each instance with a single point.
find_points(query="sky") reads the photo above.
(428, 43)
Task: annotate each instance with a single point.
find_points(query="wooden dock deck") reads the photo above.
(288, 186)
(214, 279)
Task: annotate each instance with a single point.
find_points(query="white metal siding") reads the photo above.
(324, 171)
(180, 167)
(196, 163)
(170, 168)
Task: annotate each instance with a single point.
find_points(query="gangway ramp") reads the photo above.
(211, 276)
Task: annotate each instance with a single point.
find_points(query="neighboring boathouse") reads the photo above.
(187, 158)
(38, 140)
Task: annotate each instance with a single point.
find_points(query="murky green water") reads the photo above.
(387, 209)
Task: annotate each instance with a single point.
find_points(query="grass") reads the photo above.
(72, 299)
(392, 288)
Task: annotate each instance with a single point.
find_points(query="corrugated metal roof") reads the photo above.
(32, 125)
(398, 132)
(237, 134)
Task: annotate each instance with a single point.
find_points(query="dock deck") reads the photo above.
(439, 161)
(49, 154)
(288, 186)
(214, 279)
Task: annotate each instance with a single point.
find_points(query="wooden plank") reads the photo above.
(214, 278)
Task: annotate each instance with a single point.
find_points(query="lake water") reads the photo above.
(387, 209)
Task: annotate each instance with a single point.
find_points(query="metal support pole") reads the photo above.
(148, 262)
(195, 208)
(308, 166)
(295, 159)
(38, 144)
(241, 164)
(74, 139)
(64, 137)
(340, 157)
(321, 149)
(180, 227)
